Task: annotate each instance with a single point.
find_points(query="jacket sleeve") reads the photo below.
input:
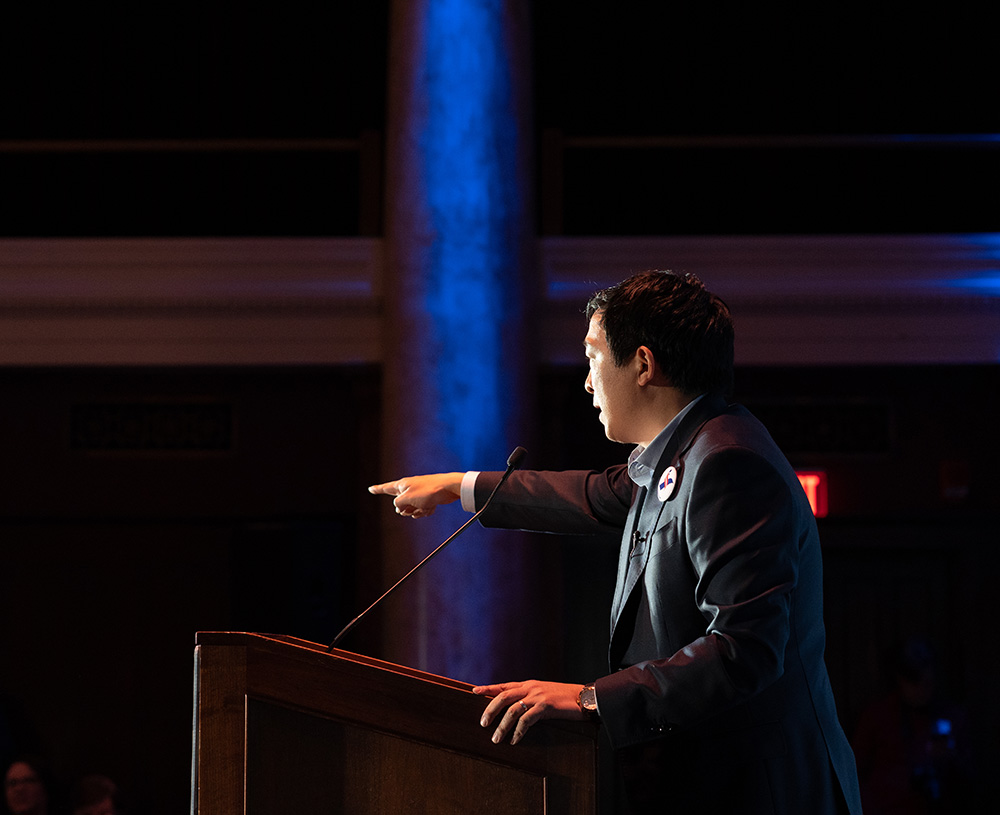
(571, 502)
(739, 535)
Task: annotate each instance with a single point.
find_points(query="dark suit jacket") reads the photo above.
(719, 698)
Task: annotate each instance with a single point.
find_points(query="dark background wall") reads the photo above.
(652, 119)
(139, 506)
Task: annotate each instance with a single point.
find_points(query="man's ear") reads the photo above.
(646, 365)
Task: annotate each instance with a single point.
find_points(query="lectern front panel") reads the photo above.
(299, 763)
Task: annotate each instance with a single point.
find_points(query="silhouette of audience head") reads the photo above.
(914, 672)
(95, 795)
(25, 787)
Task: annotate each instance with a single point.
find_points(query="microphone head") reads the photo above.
(516, 458)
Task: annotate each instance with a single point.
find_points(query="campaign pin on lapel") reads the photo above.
(665, 486)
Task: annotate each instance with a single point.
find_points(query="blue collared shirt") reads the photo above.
(643, 459)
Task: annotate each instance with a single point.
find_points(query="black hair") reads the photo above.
(688, 329)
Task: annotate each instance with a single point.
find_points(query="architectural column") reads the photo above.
(457, 358)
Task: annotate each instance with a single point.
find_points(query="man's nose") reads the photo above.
(588, 385)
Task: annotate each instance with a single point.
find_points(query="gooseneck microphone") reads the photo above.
(513, 462)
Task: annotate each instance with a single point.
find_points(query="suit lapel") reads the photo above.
(646, 510)
(626, 573)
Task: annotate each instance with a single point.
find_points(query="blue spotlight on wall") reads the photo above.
(458, 235)
(469, 145)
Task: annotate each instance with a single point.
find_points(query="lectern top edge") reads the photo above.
(238, 638)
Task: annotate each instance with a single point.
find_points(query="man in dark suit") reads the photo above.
(718, 700)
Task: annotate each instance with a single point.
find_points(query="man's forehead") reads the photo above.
(595, 336)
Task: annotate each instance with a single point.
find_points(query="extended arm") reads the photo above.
(574, 502)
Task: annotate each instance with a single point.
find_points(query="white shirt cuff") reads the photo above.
(469, 490)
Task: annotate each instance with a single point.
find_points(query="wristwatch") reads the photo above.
(587, 700)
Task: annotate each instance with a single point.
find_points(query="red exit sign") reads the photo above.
(814, 484)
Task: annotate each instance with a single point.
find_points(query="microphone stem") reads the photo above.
(405, 577)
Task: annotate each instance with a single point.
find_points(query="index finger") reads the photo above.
(388, 488)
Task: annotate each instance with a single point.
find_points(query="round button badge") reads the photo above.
(665, 486)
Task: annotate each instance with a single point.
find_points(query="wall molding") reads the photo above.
(811, 300)
(806, 300)
(189, 301)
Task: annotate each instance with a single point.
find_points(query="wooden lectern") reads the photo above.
(282, 727)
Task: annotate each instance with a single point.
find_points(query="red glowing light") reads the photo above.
(814, 484)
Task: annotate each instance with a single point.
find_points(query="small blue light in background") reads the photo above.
(942, 727)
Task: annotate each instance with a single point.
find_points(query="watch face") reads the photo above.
(588, 698)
